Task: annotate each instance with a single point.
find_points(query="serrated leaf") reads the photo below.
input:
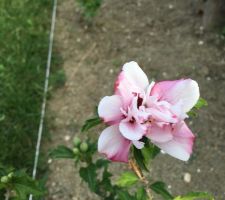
(195, 196)
(160, 188)
(91, 123)
(141, 194)
(127, 179)
(62, 152)
(89, 175)
(25, 185)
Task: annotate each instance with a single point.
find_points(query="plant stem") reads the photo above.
(7, 195)
(133, 165)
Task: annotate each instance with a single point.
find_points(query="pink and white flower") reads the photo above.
(154, 110)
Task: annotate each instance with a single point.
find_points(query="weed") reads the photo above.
(89, 8)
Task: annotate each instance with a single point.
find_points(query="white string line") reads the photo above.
(43, 108)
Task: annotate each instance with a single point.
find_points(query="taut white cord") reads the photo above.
(43, 108)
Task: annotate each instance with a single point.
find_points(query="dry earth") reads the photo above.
(167, 40)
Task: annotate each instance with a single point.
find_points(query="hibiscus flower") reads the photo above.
(140, 109)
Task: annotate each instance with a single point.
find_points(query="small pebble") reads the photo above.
(67, 138)
(169, 186)
(200, 43)
(137, 40)
(171, 6)
(198, 170)
(208, 78)
(151, 33)
(187, 177)
(49, 161)
(78, 40)
(164, 74)
(111, 71)
(201, 28)
(53, 184)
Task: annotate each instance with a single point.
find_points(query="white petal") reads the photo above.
(160, 134)
(132, 131)
(138, 144)
(185, 91)
(110, 109)
(182, 143)
(113, 144)
(135, 75)
(174, 149)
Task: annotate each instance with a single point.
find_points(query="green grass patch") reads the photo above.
(24, 39)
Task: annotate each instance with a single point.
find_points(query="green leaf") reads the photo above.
(25, 185)
(124, 195)
(89, 175)
(127, 179)
(62, 152)
(160, 188)
(146, 154)
(138, 156)
(141, 194)
(195, 196)
(150, 151)
(91, 123)
(201, 102)
(102, 163)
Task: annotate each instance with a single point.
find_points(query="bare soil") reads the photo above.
(167, 40)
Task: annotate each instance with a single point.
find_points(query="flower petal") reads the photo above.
(138, 144)
(181, 145)
(113, 144)
(135, 75)
(185, 91)
(109, 109)
(130, 82)
(132, 131)
(159, 134)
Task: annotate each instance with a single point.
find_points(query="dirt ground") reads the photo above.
(167, 40)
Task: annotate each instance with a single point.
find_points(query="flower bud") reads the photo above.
(84, 147)
(76, 151)
(76, 141)
(10, 175)
(4, 179)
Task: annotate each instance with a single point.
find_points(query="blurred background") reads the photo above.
(170, 39)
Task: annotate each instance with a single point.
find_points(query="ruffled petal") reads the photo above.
(132, 131)
(185, 91)
(130, 82)
(135, 75)
(109, 109)
(181, 145)
(159, 134)
(113, 144)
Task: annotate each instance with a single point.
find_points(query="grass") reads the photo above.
(24, 39)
